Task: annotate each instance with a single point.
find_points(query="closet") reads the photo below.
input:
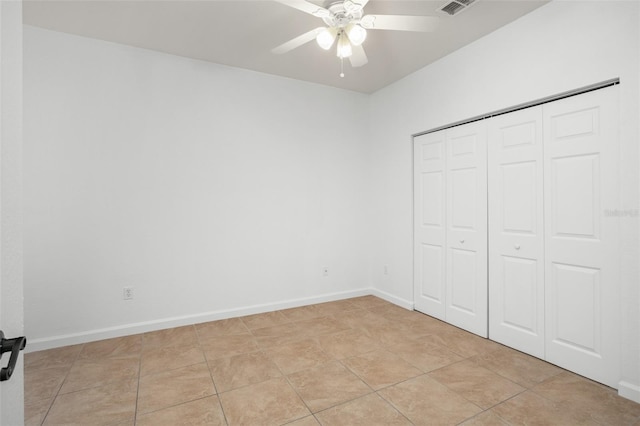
(512, 239)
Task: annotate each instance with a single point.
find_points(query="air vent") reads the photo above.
(455, 7)
(451, 8)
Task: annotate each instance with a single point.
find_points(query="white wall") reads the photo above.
(212, 191)
(561, 46)
(11, 299)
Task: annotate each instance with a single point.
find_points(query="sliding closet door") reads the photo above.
(581, 241)
(466, 227)
(429, 224)
(516, 231)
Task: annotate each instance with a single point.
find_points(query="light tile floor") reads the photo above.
(357, 361)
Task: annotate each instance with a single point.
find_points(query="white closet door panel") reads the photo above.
(431, 183)
(466, 227)
(575, 196)
(519, 181)
(581, 251)
(463, 199)
(463, 281)
(576, 286)
(520, 298)
(429, 224)
(516, 237)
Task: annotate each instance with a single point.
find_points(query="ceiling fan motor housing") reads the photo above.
(340, 17)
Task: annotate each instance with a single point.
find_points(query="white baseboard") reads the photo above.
(629, 391)
(407, 304)
(160, 324)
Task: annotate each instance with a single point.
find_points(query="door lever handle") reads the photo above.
(14, 346)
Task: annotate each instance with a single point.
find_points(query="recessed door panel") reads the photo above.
(432, 199)
(520, 295)
(576, 307)
(518, 134)
(432, 284)
(463, 144)
(575, 187)
(575, 124)
(463, 280)
(463, 198)
(432, 151)
(519, 203)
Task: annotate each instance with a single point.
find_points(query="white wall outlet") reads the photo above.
(127, 293)
(325, 271)
(386, 269)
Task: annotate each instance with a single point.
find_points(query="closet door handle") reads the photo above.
(517, 246)
(461, 241)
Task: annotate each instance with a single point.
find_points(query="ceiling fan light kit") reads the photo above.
(326, 37)
(345, 23)
(357, 34)
(344, 47)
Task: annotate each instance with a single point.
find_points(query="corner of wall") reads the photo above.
(403, 303)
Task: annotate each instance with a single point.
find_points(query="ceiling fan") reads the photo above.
(347, 25)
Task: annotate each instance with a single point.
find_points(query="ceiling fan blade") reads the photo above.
(399, 23)
(352, 5)
(358, 58)
(307, 7)
(297, 42)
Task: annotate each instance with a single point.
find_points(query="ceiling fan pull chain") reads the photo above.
(341, 67)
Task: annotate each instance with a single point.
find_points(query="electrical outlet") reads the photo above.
(325, 271)
(386, 269)
(127, 293)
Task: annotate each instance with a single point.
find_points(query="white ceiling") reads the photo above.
(241, 33)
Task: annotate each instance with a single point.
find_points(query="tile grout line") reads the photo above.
(53, 400)
(135, 413)
(215, 388)
(174, 405)
(213, 380)
(291, 386)
(524, 389)
(333, 359)
(393, 405)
